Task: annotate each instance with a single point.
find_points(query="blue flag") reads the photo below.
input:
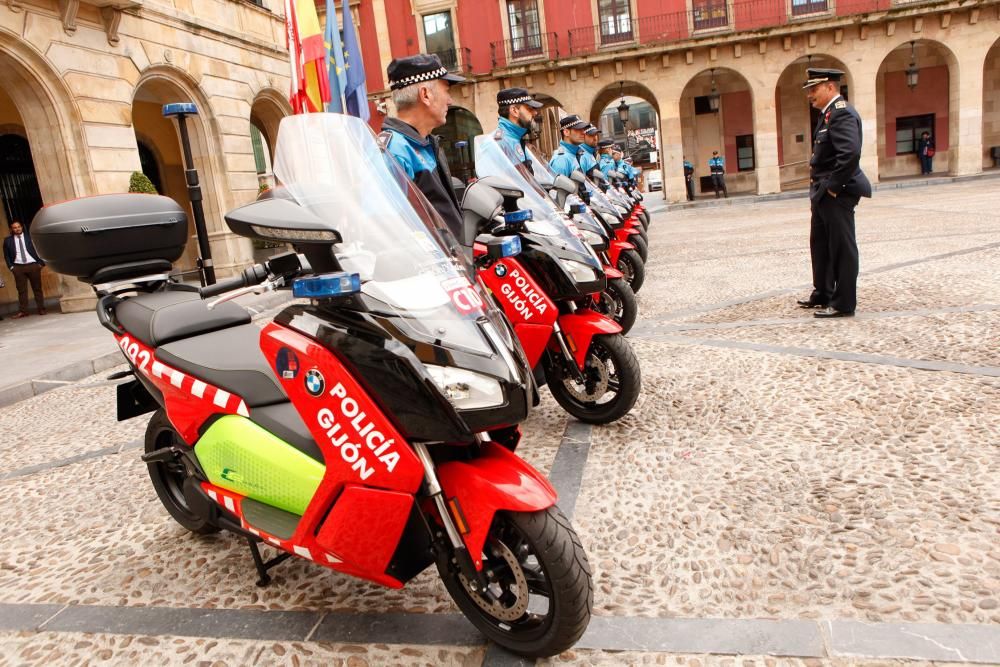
(334, 59)
(355, 93)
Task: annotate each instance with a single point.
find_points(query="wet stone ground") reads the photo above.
(766, 473)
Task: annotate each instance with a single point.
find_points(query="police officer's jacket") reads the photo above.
(717, 165)
(836, 153)
(423, 161)
(565, 159)
(511, 138)
(588, 161)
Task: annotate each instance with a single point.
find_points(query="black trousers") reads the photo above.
(834, 251)
(719, 183)
(689, 184)
(24, 274)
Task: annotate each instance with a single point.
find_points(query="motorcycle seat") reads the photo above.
(283, 420)
(229, 359)
(162, 317)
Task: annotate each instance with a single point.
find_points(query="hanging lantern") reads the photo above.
(713, 97)
(912, 72)
(622, 106)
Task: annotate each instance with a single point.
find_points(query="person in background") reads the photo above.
(566, 158)
(22, 260)
(717, 165)
(689, 178)
(419, 86)
(517, 110)
(606, 163)
(588, 152)
(925, 151)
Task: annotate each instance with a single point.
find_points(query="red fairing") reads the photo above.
(616, 249)
(497, 480)
(580, 327)
(523, 302)
(188, 401)
(612, 273)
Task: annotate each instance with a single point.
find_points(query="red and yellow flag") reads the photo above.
(310, 83)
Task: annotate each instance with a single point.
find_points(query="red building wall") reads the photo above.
(737, 120)
(479, 24)
(930, 96)
(753, 14)
(403, 38)
(374, 76)
(660, 20)
(561, 16)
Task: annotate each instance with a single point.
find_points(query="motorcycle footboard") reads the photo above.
(498, 480)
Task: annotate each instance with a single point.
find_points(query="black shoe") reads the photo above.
(809, 303)
(830, 311)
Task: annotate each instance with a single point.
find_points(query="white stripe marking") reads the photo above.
(333, 559)
(242, 410)
(177, 379)
(213, 495)
(302, 551)
(221, 398)
(198, 388)
(230, 505)
(158, 369)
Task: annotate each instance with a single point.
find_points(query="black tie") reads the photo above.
(24, 253)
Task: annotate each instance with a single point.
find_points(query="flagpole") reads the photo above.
(292, 47)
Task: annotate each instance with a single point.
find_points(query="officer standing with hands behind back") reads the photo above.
(836, 185)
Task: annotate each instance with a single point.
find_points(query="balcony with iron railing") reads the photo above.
(524, 49)
(707, 18)
(456, 60)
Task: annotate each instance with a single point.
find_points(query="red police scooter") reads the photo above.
(372, 429)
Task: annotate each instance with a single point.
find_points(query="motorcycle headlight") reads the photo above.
(592, 238)
(582, 273)
(466, 390)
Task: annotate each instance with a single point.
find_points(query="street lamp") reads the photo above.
(713, 96)
(912, 72)
(180, 111)
(623, 111)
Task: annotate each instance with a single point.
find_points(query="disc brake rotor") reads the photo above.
(493, 605)
(596, 372)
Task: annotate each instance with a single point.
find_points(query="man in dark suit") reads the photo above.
(836, 185)
(22, 260)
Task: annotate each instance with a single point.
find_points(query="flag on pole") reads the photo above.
(310, 84)
(334, 59)
(355, 93)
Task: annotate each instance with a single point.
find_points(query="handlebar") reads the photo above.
(253, 275)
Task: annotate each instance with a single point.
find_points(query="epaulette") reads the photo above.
(560, 151)
(383, 139)
(840, 104)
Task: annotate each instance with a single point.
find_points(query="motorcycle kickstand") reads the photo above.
(263, 567)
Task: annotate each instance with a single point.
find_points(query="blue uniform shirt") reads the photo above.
(587, 159)
(607, 164)
(717, 164)
(565, 161)
(413, 155)
(510, 136)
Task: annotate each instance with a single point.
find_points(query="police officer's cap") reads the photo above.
(604, 143)
(422, 67)
(816, 75)
(572, 122)
(591, 130)
(509, 96)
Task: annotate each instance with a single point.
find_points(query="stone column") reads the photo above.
(864, 98)
(966, 90)
(671, 150)
(765, 123)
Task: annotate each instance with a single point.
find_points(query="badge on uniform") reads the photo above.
(383, 139)
(840, 104)
(498, 135)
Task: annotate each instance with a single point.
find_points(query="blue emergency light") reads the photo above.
(510, 246)
(327, 286)
(517, 216)
(180, 108)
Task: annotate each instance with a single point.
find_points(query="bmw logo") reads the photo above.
(500, 269)
(314, 382)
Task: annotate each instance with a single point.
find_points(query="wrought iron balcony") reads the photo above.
(528, 48)
(456, 60)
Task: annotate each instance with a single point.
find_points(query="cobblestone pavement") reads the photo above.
(824, 492)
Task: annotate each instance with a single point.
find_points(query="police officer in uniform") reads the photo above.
(836, 185)
(566, 158)
(689, 178)
(419, 86)
(517, 110)
(717, 167)
(588, 154)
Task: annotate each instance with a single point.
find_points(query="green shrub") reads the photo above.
(139, 183)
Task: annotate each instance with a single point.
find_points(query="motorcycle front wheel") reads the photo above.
(631, 264)
(618, 303)
(611, 385)
(540, 590)
(644, 216)
(641, 246)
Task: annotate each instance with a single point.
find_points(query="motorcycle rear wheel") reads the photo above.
(641, 246)
(168, 477)
(612, 382)
(532, 560)
(631, 264)
(618, 303)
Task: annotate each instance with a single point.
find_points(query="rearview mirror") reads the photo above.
(565, 184)
(281, 220)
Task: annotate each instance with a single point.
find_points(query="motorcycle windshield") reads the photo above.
(409, 263)
(492, 160)
(546, 178)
